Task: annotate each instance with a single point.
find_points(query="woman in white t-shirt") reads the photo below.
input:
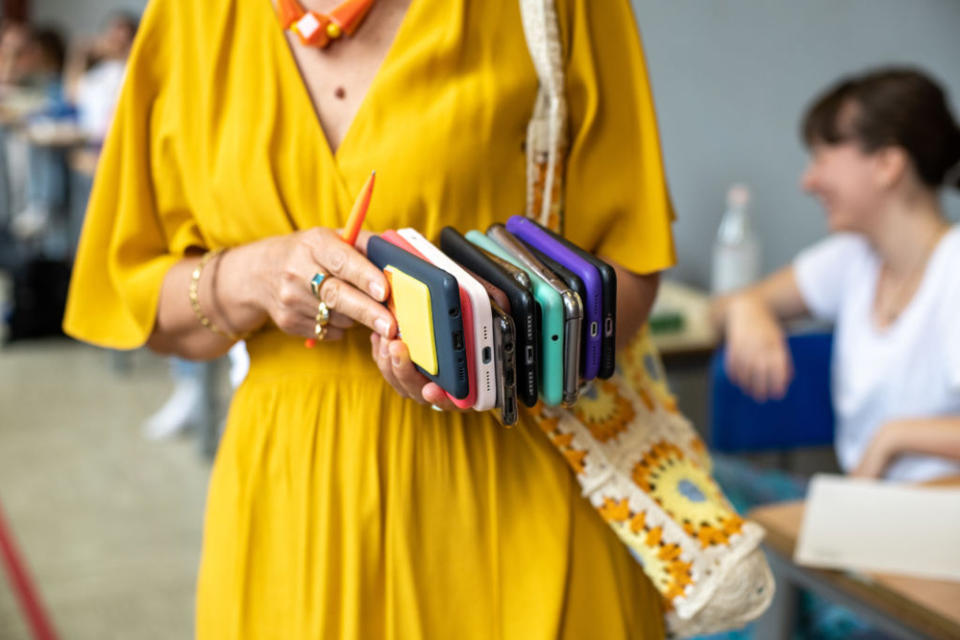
(883, 145)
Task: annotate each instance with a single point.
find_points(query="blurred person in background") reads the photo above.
(40, 69)
(13, 38)
(41, 60)
(95, 73)
(883, 145)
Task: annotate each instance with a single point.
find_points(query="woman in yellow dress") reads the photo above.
(340, 505)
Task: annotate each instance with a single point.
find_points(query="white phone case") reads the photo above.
(484, 355)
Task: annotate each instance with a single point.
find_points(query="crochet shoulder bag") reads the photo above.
(639, 462)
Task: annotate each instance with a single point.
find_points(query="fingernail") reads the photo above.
(382, 326)
(395, 360)
(377, 290)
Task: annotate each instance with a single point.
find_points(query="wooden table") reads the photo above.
(903, 606)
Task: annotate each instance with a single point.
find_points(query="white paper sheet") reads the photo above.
(881, 528)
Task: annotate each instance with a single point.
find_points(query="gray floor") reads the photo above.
(109, 522)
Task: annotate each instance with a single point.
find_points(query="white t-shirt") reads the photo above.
(97, 94)
(910, 369)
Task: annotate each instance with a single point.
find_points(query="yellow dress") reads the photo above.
(336, 509)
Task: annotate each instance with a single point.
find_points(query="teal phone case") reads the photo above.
(551, 322)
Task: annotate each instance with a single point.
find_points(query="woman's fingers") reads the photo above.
(382, 357)
(299, 311)
(346, 300)
(759, 363)
(362, 239)
(759, 381)
(782, 373)
(341, 321)
(393, 360)
(347, 263)
(352, 291)
(405, 373)
(435, 395)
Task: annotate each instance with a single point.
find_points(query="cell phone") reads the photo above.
(608, 279)
(571, 304)
(496, 294)
(591, 293)
(576, 285)
(550, 303)
(483, 346)
(409, 299)
(393, 237)
(444, 313)
(504, 338)
(523, 307)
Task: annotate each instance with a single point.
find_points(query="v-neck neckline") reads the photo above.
(929, 274)
(290, 61)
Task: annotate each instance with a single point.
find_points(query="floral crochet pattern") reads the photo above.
(687, 493)
(661, 560)
(645, 470)
(603, 410)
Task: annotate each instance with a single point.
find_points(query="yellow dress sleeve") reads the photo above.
(137, 223)
(617, 202)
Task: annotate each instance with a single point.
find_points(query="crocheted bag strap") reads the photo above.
(547, 131)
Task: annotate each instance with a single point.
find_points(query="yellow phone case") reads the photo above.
(410, 303)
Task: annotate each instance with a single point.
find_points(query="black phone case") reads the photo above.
(447, 319)
(572, 280)
(523, 309)
(608, 343)
(504, 334)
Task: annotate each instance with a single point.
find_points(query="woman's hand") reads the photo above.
(758, 360)
(881, 450)
(936, 436)
(353, 290)
(393, 360)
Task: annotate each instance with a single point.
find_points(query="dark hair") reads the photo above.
(129, 20)
(50, 41)
(898, 107)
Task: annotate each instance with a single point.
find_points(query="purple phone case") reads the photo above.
(593, 305)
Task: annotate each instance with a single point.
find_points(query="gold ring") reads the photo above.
(316, 282)
(323, 314)
(320, 331)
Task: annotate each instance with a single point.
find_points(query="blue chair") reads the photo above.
(803, 418)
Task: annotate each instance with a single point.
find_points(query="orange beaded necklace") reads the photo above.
(320, 29)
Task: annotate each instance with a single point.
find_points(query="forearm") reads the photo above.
(777, 294)
(226, 297)
(635, 297)
(939, 436)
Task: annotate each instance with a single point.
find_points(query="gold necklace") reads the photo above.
(317, 29)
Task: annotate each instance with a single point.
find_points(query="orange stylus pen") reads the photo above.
(359, 211)
(352, 229)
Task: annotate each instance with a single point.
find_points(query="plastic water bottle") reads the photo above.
(736, 253)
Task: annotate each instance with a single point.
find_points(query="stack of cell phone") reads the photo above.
(518, 313)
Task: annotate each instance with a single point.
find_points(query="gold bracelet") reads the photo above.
(195, 296)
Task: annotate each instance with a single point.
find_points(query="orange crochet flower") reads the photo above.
(604, 411)
(687, 493)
